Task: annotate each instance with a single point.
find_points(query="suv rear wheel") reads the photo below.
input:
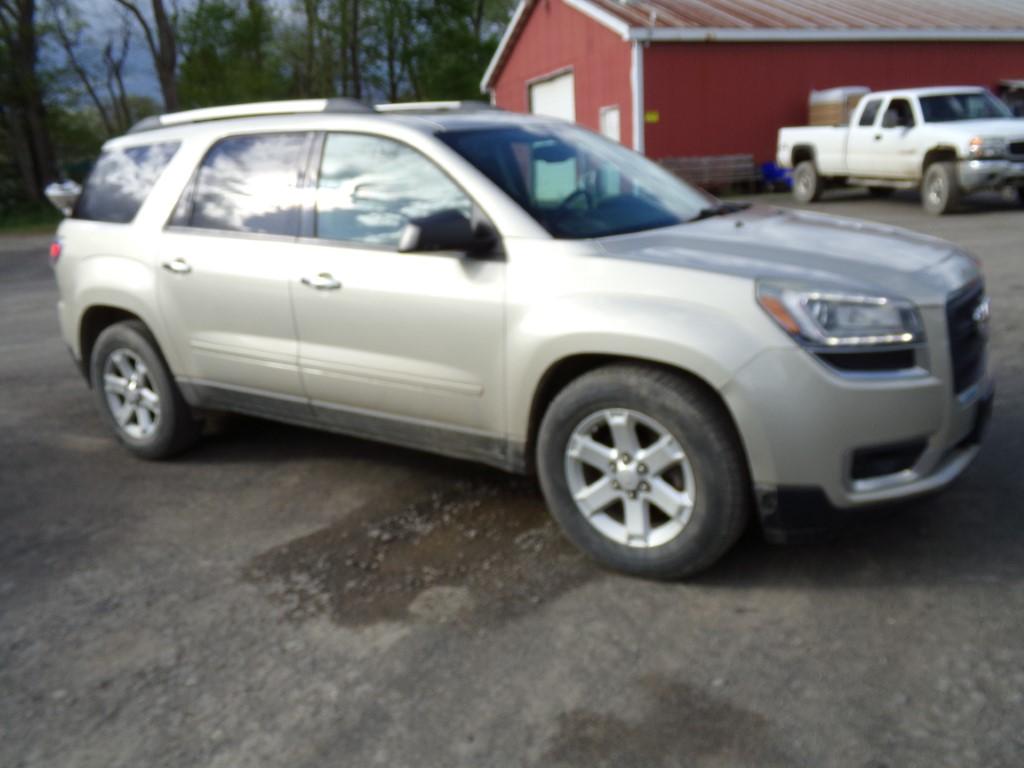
(136, 393)
(642, 470)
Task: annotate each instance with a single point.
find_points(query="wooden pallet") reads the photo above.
(716, 171)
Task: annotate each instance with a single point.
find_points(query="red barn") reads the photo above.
(675, 78)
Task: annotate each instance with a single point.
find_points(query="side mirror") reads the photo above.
(448, 230)
(63, 195)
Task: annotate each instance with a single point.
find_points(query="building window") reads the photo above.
(611, 123)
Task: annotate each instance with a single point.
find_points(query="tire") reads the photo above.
(807, 184)
(136, 394)
(712, 471)
(940, 189)
(1020, 196)
(880, 192)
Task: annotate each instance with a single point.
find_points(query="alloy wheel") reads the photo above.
(131, 397)
(630, 478)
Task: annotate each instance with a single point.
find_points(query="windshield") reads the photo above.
(577, 184)
(975, 105)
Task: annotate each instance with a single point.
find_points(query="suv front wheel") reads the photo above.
(642, 470)
(136, 393)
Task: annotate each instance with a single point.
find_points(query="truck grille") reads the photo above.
(966, 335)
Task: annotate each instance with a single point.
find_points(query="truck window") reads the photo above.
(867, 117)
(898, 115)
(950, 107)
(121, 180)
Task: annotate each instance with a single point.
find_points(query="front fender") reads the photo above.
(704, 341)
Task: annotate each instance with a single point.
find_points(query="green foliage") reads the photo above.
(230, 54)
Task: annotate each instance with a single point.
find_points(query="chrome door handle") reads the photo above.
(322, 282)
(177, 266)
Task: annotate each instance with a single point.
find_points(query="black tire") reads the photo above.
(1020, 196)
(940, 189)
(176, 428)
(704, 431)
(807, 184)
(880, 192)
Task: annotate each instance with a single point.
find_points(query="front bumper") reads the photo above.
(790, 513)
(806, 426)
(990, 174)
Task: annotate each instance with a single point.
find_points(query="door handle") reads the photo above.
(878, 137)
(323, 282)
(177, 266)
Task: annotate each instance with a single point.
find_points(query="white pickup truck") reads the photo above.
(946, 141)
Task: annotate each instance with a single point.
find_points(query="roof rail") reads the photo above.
(436, 106)
(256, 109)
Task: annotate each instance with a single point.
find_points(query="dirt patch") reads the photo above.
(485, 549)
(676, 724)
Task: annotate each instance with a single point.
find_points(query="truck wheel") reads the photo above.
(643, 471)
(880, 192)
(807, 184)
(136, 393)
(1020, 195)
(940, 190)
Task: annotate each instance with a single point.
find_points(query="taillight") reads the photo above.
(55, 249)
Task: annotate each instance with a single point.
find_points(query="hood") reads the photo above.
(1002, 128)
(829, 251)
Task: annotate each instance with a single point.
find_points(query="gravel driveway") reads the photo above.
(281, 597)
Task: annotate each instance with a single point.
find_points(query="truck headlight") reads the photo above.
(981, 146)
(836, 319)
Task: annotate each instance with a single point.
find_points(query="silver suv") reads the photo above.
(523, 293)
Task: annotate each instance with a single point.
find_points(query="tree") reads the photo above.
(163, 46)
(22, 106)
(236, 40)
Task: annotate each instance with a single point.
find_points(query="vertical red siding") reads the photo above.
(724, 98)
(555, 37)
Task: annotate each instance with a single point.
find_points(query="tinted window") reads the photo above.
(947, 108)
(369, 188)
(247, 184)
(867, 117)
(121, 180)
(577, 184)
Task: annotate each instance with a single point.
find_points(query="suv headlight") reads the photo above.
(836, 319)
(981, 146)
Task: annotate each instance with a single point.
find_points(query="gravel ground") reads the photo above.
(284, 597)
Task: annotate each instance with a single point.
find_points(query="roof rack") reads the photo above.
(293, 107)
(437, 106)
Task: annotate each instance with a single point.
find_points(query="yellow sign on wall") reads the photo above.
(652, 116)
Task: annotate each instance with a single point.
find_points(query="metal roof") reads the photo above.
(819, 14)
(786, 21)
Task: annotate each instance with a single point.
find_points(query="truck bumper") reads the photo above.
(990, 174)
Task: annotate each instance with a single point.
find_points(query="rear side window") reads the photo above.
(247, 184)
(867, 117)
(121, 180)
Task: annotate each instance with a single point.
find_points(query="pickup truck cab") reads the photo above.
(946, 141)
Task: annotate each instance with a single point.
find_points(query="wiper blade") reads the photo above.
(722, 209)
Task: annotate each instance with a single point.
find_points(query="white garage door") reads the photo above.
(555, 97)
